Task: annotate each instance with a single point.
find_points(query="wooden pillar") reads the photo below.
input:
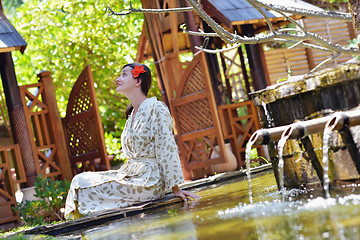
(256, 61)
(155, 39)
(244, 72)
(56, 131)
(227, 81)
(214, 71)
(190, 25)
(17, 116)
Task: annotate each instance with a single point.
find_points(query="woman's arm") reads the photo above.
(184, 194)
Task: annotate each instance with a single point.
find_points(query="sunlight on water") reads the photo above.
(224, 212)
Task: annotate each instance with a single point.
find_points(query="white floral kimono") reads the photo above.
(152, 168)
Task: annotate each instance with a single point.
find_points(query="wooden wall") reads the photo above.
(301, 60)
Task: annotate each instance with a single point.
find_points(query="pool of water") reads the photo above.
(224, 212)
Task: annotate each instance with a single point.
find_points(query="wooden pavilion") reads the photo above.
(207, 114)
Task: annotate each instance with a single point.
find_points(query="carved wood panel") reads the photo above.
(83, 128)
(196, 119)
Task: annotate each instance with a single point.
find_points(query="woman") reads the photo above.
(147, 141)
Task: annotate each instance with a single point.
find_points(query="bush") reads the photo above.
(51, 198)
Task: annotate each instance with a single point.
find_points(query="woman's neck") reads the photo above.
(136, 101)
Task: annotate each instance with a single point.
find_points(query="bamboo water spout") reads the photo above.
(341, 120)
(297, 130)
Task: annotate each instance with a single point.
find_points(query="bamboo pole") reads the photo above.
(302, 129)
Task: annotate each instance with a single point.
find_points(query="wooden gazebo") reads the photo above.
(194, 91)
(206, 112)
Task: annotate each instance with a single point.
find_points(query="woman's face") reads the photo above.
(125, 82)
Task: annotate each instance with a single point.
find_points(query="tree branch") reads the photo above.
(323, 62)
(273, 36)
(307, 12)
(296, 36)
(140, 10)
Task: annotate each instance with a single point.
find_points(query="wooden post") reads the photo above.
(257, 69)
(214, 71)
(17, 116)
(227, 81)
(57, 132)
(190, 24)
(244, 72)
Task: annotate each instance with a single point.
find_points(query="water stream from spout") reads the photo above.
(326, 137)
(247, 161)
(269, 119)
(281, 145)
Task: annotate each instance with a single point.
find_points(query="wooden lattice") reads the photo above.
(197, 124)
(239, 121)
(83, 127)
(234, 76)
(41, 130)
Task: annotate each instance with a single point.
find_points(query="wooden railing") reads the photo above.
(45, 128)
(239, 121)
(11, 174)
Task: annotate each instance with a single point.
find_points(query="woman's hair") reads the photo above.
(145, 83)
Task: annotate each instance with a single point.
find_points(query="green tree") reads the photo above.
(64, 36)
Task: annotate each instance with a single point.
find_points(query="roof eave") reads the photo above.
(263, 20)
(21, 43)
(215, 13)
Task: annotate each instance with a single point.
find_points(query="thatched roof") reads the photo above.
(10, 39)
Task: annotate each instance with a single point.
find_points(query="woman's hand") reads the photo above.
(184, 194)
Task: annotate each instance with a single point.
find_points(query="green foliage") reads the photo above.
(10, 6)
(114, 147)
(257, 160)
(355, 43)
(65, 36)
(281, 80)
(24, 237)
(52, 197)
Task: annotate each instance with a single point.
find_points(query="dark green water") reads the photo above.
(224, 212)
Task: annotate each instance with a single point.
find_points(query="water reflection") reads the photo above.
(224, 212)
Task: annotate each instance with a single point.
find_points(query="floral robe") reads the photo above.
(153, 166)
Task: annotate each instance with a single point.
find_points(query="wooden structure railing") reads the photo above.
(83, 128)
(45, 129)
(10, 158)
(238, 122)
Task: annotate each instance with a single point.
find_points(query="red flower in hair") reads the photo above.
(137, 70)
